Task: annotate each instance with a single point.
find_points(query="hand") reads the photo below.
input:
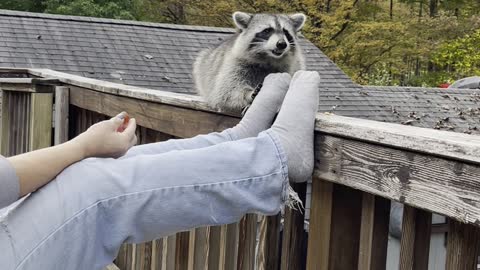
(110, 138)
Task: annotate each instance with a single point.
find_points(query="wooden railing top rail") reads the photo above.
(429, 169)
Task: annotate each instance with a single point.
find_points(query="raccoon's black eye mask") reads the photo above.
(288, 36)
(265, 34)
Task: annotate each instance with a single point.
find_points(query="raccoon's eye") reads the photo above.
(267, 30)
(287, 35)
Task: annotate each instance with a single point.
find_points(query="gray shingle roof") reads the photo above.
(446, 109)
(153, 55)
(160, 56)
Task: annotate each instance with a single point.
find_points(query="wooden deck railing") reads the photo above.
(360, 167)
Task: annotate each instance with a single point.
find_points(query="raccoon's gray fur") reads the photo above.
(264, 43)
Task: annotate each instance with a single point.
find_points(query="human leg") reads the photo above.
(79, 220)
(258, 118)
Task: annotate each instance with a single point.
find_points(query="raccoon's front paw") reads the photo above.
(252, 93)
(250, 96)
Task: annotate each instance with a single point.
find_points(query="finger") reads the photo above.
(130, 129)
(121, 115)
(117, 121)
(133, 141)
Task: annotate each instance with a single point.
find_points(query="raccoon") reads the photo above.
(227, 75)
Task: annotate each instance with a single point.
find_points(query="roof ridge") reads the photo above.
(14, 13)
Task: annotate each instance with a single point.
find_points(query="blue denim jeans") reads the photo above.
(79, 220)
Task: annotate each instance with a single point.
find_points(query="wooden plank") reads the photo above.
(176, 99)
(157, 254)
(168, 119)
(140, 257)
(366, 232)
(380, 234)
(191, 249)
(373, 233)
(318, 251)
(293, 233)
(463, 246)
(202, 240)
(121, 259)
(437, 184)
(268, 250)
(345, 232)
(247, 242)
(170, 252)
(181, 251)
(231, 246)
(415, 242)
(41, 120)
(446, 144)
(111, 267)
(5, 123)
(215, 256)
(62, 104)
(443, 143)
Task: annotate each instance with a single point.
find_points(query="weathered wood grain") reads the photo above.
(176, 99)
(440, 185)
(202, 240)
(5, 124)
(268, 256)
(247, 242)
(293, 233)
(366, 232)
(318, 251)
(380, 234)
(168, 119)
(41, 120)
(62, 104)
(415, 242)
(215, 255)
(463, 246)
(373, 233)
(111, 267)
(423, 140)
(345, 230)
(231, 246)
(182, 251)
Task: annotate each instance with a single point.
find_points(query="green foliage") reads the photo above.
(460, 56)
(23, 5)
(94, 8)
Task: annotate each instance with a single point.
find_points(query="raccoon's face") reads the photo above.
(268, 35)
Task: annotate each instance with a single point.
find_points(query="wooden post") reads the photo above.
(41, 120)
(463, 246)
(215, 256)
(182, 251)
(231, 246)
(293, 233)
(268, 251)
(5, 124)
(61, 114)
(320, 225)
(202, 239)
(345, 229)
(374, 233)
(247, 241)
(415, 242)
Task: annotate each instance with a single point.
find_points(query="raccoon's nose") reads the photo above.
(281, 44)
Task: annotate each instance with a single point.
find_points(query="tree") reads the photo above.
(119, 9)
(460, 57)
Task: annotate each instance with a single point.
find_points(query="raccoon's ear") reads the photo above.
(298, 20)
(241, 19)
